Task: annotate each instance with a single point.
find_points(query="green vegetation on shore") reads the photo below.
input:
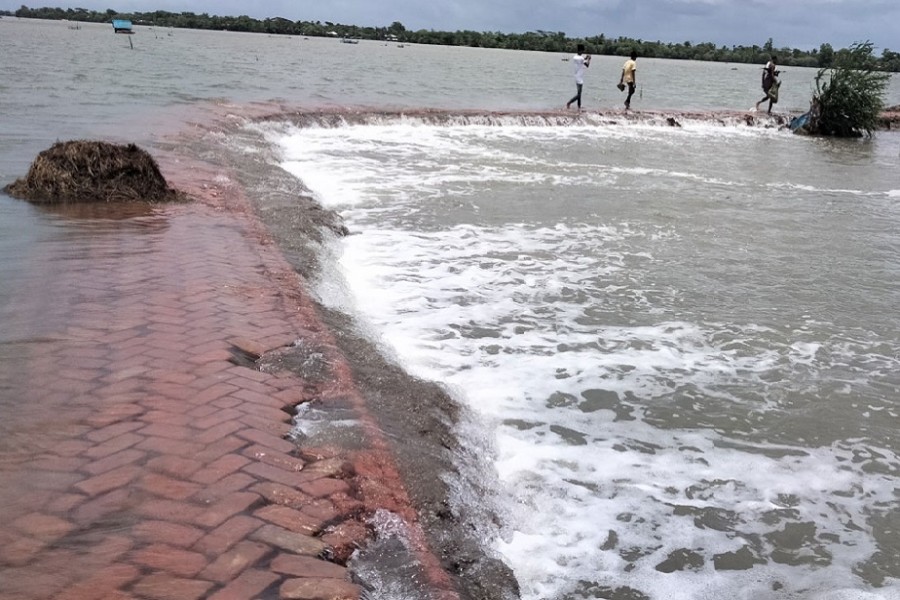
(823, 57)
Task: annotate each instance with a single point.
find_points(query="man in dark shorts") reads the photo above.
(768, 82)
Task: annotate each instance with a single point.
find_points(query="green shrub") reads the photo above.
(849, 94)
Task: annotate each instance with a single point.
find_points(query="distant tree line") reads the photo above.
(547, 41)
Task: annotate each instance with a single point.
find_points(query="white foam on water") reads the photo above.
(619, 443)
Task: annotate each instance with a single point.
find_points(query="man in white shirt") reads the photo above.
(581, 61)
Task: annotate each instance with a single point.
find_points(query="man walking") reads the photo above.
(770, 81)
(629, 77)
(581, 61)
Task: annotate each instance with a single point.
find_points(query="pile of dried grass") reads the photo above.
(91, 171)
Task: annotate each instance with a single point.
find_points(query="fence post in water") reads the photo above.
(130, 43)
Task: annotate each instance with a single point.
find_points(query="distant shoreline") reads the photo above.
(538, 41)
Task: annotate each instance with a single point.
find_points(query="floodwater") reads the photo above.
(680, 346)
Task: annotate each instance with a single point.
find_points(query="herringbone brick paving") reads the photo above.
(141, 462)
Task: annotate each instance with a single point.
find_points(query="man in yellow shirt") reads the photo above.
(629, 77)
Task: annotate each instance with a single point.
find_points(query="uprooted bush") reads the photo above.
(91, 171)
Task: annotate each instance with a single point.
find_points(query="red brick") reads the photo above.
(85, 375)
(171, 432)
(58, 463)
(230, 564)
(46, 528)
(121, 387)
(218, 417)
(33, 582)
(169, 510)
(268, 440)
(345, 538)
(170, 447)
(291, 519)
(101, 583)
(265, 472)
(111, 431)
(20, 550)
(171, 559)
(165, 413)
(307, 566)
(337, 468)
(248, 585)
(219, 448)
(323, 487)
(245, 381)
(273, 415)
(276, 493)
(213, 392)
(166, 389)
(219, 431)
(228, 485)
(176, 466)
(227, 507)
(275, 458)
(319, 589)
(291, 397)
(227, 402)
(202, 411)
(63, 503)
(160, 586)
(277, 428)
(257, 398)
(219, 468)
(116, 412)
(71, 447)
(114, 461)
(95, 509)
(107, 550)
(321, 509)
(168, 487)
(116, 444)
(175, 534)
(290, 541)
(179, 377)
(211, 356)
(252, 374)
(227, 534)
(109, 480)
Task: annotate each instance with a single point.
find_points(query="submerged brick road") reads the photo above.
(139, 460)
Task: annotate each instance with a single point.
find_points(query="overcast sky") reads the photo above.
(801, 24)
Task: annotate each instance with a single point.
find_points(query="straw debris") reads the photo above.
(91, 171)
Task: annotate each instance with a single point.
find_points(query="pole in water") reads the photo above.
(130, 43)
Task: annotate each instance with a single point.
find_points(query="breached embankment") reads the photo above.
(407, 426)
(306, 117)
(416, 419)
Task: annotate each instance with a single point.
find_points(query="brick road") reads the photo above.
(139, 460)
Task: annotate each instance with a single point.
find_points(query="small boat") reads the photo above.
(122, 26)
(349, 41)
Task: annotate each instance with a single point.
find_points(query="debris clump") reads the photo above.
(93, 172)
